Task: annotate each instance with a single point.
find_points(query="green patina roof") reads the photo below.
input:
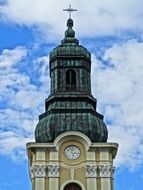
(63, 116)
(55, 124)
(73, 110)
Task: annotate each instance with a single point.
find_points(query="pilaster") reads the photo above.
(50, 169)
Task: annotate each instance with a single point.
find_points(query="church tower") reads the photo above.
(71, 150)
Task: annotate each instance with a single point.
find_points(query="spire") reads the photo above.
(70, 33)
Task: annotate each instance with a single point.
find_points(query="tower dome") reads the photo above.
(70, 105)
(70, 46)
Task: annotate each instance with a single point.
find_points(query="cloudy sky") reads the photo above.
(113, 32)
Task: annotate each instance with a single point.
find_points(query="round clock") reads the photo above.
(72, 152)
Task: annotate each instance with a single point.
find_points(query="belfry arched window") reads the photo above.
(72, 186)
(70, 79)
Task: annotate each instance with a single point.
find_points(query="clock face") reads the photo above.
(72, 152)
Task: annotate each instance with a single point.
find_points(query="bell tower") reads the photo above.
(71, 150)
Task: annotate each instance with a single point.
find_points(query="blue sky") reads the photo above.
(113, 32)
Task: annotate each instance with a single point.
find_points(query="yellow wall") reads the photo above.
(71, 170)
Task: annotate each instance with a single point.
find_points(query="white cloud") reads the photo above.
(21, 100)
(44, 68)
(119, 91)
(12, 144)
(105, 17)
(9, 58)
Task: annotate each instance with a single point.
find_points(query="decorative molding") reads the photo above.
(74, 135)
(106, 171)
(41, 171)
(38, 171)
(91, 170)
(53, 170)
(103, 171)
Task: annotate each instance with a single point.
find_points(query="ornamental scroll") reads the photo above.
(106, 171)
(40, 171)
(103, 171)
(53, 170)
(91, 170)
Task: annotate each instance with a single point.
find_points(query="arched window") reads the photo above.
(72, 186)
(71, 79)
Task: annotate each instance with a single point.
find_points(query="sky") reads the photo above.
(113, 32)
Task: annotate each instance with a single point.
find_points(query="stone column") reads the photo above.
(91, 174)
(53, 174)
(106, 173)
(38, 175)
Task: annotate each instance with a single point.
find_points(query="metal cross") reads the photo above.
(69, 10)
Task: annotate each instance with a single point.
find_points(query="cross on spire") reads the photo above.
(70, 10)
